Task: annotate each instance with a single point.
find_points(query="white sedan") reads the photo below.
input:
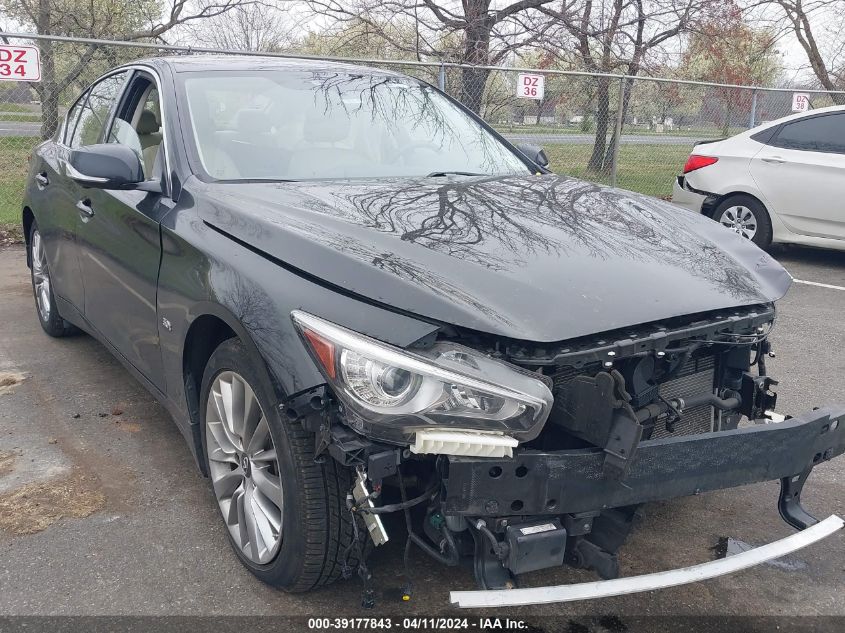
(782, 181)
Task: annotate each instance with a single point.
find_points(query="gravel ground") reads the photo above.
(102, 511)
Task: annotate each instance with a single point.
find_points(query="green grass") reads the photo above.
(20, 118)
(6, 106)
(648, 169)
(14, 163)
(540, 130)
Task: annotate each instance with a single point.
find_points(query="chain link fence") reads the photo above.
(576, 121)
(657, 121)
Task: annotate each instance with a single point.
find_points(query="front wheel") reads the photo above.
(285, 515)
(42, 288)
(747, 217)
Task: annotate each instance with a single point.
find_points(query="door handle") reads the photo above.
(777, 160)
(85, 209)
(42, 179)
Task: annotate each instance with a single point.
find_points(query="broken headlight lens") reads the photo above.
(389, 393)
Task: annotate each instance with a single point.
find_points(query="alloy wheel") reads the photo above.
(741, 220)
(244, 467)
(40, 276)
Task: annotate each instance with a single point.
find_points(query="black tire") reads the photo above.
(763, 224)
(48, 312)
(316, 527)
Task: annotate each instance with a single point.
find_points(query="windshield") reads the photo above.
(302, 125)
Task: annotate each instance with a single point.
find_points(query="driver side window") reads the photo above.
(138, 125)
(96, 110)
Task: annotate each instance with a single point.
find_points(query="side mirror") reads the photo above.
(108, 166)
(534, 153)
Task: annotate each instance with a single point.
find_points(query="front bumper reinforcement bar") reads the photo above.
(648, 582)
(570, 481)
(537, 483)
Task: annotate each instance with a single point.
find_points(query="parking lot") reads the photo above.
(102, 510)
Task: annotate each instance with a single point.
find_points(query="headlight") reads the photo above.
(374, 382)
(389, 393)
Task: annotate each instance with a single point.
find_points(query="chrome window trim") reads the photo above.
(71, 172)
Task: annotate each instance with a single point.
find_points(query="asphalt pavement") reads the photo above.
(102, 511)
(19, 128)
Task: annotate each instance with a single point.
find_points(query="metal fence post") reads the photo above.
(753, 120)
(617, 133)
(441, 78)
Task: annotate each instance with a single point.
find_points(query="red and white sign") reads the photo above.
(800, 102)
(19, 63)
(530, 86)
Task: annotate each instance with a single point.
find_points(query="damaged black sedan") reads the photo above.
(355, 299)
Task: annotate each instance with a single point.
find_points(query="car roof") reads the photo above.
(224, 62)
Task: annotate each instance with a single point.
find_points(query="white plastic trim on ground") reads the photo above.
(648, 582)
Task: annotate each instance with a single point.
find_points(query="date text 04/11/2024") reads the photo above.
(418, 623)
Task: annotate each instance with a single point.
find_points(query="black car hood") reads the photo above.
(537, 258)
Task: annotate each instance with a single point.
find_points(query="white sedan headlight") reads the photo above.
(389, 393)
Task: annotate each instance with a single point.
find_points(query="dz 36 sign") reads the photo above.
(530, 86)
(19, 63)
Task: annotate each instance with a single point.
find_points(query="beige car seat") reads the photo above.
(149, 133)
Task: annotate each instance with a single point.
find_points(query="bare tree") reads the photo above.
(728, 50)
(826, 59)
(616, 37)
(146, 20)
(487, 34)
(247, 27)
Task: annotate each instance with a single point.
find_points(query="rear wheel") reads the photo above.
(42, 288)
(747, 217)
(285, 515)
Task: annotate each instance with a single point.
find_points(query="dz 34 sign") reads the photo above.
(19, 63)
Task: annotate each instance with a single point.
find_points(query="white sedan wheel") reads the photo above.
(741, 220)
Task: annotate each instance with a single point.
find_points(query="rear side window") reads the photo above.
(95, 112)
(764, 136)
(824, 133)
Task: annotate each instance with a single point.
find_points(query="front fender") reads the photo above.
(204, 272)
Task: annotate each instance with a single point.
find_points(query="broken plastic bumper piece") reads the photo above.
(468, 443)
(649, 582)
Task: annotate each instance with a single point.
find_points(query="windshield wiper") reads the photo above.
(440, 174)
